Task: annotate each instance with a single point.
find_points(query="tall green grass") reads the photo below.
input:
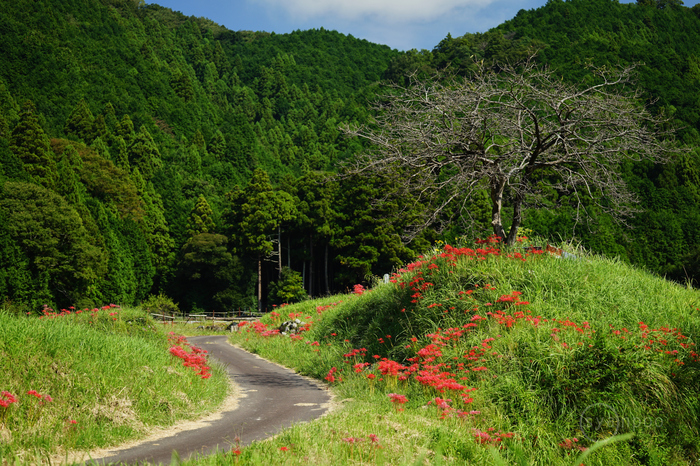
(109, 377)
(566, 372)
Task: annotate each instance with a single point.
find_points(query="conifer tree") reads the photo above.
(52, 235)
(198, 140)
(156, 226)
(122, 156)
(110, 117)
(253, 217)
(144, 154)
(8, 111)
(201, 218)
(99, 129)
(101, 148)
(81, 122)
(29, 142)
(125, 129)
(217, 145)
(69, 185)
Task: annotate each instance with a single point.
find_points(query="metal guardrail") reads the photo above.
(223, 317)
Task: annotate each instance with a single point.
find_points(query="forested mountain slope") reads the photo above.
(144, 151)
(123, 125)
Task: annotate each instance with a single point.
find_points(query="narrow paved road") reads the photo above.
(274, 398)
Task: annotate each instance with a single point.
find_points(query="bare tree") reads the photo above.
(513, 131)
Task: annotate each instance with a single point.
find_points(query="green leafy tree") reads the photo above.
(68, 169)
(8, 110)
(29, 142)
(209, 277)
(122, 156)
(81, 123)
(253, 217)
(144, 154)
(288, 289)
(155, 225)
(51, 235)
(16, 282)
(217, 145)
(125, 129)
(201, 219)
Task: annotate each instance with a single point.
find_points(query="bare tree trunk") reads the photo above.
(497, 186)
(259, 283)
(311, 266)
(517, 219)
(328, 288)
(279, 252)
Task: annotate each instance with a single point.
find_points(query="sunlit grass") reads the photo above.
(587, 336)
(95, 379)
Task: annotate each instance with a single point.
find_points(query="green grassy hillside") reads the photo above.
(480, 355)
(93, 378)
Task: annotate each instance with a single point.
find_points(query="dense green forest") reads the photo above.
(143, 151)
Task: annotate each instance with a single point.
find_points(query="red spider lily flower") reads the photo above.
(330, 377)
(352, 440)
(7, 398)
(398, 399)
(284, 448)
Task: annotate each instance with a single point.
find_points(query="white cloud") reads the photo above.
(393, 11)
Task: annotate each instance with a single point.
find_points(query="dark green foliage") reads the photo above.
(161, 304)
(16, 282)
(8, 111)
(211, 274)
(210, 107)
(50, 233)
(201, 218)
(31, 145)
(368, 240)
(254, 214)
(144, 154)
(81, 123)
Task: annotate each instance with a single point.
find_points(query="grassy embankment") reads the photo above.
(476, 357)
(91, 379)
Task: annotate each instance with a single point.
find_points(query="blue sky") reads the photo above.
(400, 24)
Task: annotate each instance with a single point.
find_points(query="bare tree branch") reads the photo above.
(505, 130)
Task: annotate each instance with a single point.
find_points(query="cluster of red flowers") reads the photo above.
(398, 400)
(442, 405)
(196, 359)
(437, 365)
(663, 340)
(490, 437)
(330, 377)
(571, 444)
(49, 313)
(358, 289)
(6, 399)
(41, 397)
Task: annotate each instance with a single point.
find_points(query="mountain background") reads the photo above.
(145, 152)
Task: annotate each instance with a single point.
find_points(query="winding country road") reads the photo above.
(274, 398)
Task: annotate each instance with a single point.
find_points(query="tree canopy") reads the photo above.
(517, 131)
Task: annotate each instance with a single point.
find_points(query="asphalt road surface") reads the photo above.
(274, 398)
